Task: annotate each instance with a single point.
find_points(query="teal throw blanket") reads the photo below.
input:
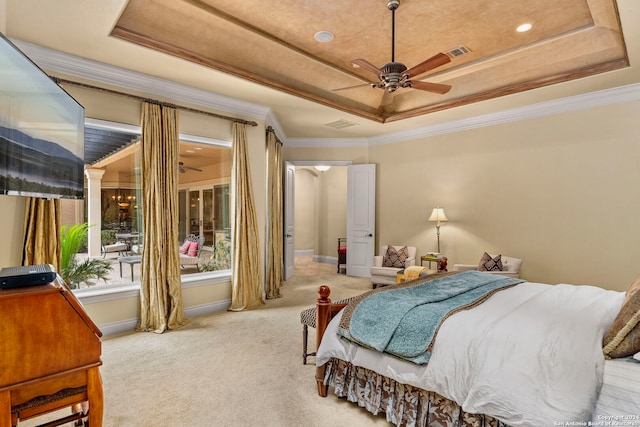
(404, 321)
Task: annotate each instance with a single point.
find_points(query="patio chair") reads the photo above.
(190, 250)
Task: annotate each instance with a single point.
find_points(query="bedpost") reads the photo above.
(323, 305)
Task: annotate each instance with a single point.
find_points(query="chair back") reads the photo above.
(410, 249)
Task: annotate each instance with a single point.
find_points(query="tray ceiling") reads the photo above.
(272, 43)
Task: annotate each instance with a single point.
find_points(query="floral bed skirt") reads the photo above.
(403, 405)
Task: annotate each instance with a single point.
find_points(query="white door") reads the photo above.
(289, 217)
(361, 216)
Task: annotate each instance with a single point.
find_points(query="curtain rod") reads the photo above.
(273, 131)
(143, 99)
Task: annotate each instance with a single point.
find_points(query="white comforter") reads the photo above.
(548, 369)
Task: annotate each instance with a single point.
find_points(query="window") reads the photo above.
(204, 182)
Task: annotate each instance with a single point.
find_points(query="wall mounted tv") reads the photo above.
(41, 131)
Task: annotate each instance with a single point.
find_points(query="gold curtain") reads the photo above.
(41, 232)
(247, 291)
(274, 262)
(161, 305)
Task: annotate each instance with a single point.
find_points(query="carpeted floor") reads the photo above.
(228, 368)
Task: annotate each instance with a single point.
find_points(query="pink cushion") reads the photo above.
(185, 247)
(193, 249)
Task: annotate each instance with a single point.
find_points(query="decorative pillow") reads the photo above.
(193, 249)
(395, 258)
(490, 264)
(623, 337)
(185, 247)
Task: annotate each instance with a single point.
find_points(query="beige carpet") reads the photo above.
(228, 369)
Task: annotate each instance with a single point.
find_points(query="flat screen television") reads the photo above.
(41, 131)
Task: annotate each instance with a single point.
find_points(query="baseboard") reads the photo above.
(303, 252)
(129, 325)
(325, 258)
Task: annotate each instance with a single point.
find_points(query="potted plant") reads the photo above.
(72, 271)
(219, 260)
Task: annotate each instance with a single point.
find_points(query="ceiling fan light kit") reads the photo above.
(395, 75)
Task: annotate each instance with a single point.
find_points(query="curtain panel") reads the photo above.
(41, 232)
(275, 267)
(246, 288)
(161, 304)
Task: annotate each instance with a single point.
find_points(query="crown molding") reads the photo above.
(547, 108)
(108, 74)
(73, 65)
(599, 98)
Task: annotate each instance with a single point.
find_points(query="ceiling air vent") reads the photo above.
(340, 124)
(457, 51)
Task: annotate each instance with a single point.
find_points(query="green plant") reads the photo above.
(72, 271)
(219, 260)
(108, 237)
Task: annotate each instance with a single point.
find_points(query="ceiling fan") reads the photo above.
(395, 75)
(183, 168)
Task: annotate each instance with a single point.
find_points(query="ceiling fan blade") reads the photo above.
(431, 87)
(435, 61)
(363, 63)
(351, 87)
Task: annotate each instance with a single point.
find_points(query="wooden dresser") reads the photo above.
(49, 354)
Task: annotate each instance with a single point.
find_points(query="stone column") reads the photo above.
(94, 206)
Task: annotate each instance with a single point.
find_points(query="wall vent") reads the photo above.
(340, 124)
(457, 51)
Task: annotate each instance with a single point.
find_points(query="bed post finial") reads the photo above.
(323, 313)
(324, 293)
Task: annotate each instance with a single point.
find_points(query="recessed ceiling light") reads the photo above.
(524, 27)
(323, 36)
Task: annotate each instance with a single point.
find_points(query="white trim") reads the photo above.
(321, 162)
(211, 307)
(107, 293)
(303, 252)
(109, 74)
(326, 258)
(129, 325)
(115, 126)
(327, 142)
(92, 70)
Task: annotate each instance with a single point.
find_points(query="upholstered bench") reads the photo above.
(308, 318)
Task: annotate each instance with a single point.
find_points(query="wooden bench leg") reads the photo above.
(305, 335)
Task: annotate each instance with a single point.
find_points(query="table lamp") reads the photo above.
(438, 216)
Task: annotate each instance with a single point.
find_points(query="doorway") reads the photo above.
(317, 212)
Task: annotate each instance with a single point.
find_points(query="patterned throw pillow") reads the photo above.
(185, 247)
(490, 264)
(623, 337)
(395, 258)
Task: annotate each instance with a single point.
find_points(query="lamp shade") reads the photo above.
(322, 168)
(438, 215)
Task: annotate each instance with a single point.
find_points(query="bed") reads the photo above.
(529, 354)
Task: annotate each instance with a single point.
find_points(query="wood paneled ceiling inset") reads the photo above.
(272, 43)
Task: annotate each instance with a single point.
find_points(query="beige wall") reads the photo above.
(333, 209)
(306, 217)
(320, 209)
(557, 191)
